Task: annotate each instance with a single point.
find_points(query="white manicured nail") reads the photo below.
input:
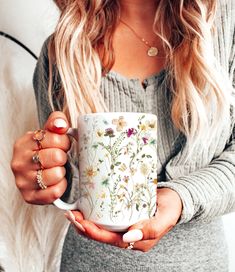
(132, 236)
(60, 123)
(69, 215)
(79, 226)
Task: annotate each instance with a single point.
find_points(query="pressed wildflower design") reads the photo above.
(91, 172)
(120, 123)
(130, 168)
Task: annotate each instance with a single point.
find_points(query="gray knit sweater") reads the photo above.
(206, 184)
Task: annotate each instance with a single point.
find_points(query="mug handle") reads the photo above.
(73, 132)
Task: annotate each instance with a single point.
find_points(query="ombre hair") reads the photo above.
(200, 92)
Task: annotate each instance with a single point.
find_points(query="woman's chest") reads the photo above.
(125, 95)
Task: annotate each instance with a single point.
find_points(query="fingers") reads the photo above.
(79, 228)
(49, 158)
(51, 140)
(47, 196)
(154, 228)
(57, 123)
(92, 231)
(147, 228)
(50, 177)
(101, 235)
(144, 245)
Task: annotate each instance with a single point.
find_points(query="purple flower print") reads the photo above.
(109, 132)
(131, 131)
(145, 140)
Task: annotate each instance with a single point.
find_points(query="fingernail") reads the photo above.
(132, 236)
(60, 123)
(79, 226)
(69, 215)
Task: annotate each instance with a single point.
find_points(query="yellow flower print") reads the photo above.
(148, 125)
(155, 181)
(103, 195)
(122, 167)
(90, 172)
(99, 133)
(143, 127)
(120, 123)
(133, 171)
(121, 197)
(152, 124)
(144, 169)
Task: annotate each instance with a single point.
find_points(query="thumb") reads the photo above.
(57, 123)
(143, 230)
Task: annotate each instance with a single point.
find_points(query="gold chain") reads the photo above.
(152, 51)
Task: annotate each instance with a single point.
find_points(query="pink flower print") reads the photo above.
(126, 179)
(131, 131)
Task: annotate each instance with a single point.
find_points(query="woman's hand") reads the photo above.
(145, 233)
(52, 157)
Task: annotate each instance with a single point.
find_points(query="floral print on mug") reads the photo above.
(126, 153)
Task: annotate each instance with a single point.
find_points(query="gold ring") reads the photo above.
(36, 158)
(38, 136)
(130, 245)
(40, 181)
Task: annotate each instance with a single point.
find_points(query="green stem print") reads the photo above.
(130, 170)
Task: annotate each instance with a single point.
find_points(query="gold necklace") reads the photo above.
(152, 51)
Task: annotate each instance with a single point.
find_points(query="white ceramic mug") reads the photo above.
(117, 161)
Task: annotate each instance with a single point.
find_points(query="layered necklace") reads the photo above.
(152, 51)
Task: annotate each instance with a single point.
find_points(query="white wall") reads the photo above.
(31, 21)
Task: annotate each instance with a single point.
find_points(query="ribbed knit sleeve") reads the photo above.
(210, 191)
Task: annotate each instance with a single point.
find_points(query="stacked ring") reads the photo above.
(38, 136)
(40, 181)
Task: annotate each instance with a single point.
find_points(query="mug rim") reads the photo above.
(118, 113)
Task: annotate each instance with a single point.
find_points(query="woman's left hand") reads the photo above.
(145, 233)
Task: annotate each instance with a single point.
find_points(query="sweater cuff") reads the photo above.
(188, 209)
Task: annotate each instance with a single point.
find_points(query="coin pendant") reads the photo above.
(152, 52)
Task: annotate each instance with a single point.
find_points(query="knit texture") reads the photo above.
(206, 184)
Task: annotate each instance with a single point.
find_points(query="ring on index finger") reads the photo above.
(38, 136)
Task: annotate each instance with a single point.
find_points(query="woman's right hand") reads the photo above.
(53, 157)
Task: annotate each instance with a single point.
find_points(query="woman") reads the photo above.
(154, 57)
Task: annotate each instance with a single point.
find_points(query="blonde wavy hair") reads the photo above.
(200, 100)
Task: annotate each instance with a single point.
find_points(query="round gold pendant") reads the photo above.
(152, 52)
